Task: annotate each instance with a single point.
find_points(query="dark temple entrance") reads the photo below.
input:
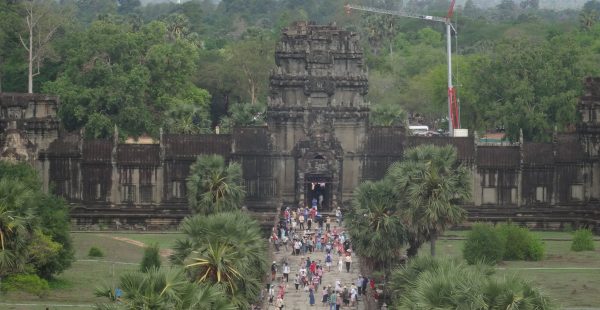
(319, 188)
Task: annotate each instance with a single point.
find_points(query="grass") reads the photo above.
(76, 285)
(569, 287)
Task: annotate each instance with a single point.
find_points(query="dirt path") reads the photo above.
(163, 252)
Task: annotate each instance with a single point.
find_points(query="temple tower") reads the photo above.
(317, 115)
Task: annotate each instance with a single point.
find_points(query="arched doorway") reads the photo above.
(318, 191)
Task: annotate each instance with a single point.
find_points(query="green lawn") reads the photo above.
(570, 287)
(76, 285)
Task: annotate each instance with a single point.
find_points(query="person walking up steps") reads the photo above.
(273, 270)
(333, 301)
(286, 272)
(341, 264)
(348, 261)
(297, 281)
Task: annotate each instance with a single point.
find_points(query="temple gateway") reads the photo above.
(317, 144)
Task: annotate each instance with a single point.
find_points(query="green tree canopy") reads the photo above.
(225, 250)
(137, 80)
(375, 224)
(34, 227)
(433, 184)
(214, 186)
(163, 289)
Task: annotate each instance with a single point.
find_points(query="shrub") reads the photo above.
(29, 283)
(483, 245)
(95, 252)
(449, 284)
(520, 244)
(536, 249)
(151, 258)
(583, 240)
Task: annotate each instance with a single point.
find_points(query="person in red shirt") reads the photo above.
(313, 267)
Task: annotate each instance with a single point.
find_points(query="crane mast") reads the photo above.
(453, 109)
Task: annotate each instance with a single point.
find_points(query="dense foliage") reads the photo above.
(375, 225)
(429, 283)
(34, 226)
(433, 185)
(151, 258)
(520, 243)
(214, 186)
(483, 245)
(583, 240)
(163, 289)
(488, 244)
(518, 64)
(225, 250)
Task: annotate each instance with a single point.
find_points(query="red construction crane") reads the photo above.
(453, 108)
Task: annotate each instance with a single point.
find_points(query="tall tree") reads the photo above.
(375, 224)
(224, 250)
(434, 185)
(252, 58)
(529, 85)
(214, 186)
(42, 19)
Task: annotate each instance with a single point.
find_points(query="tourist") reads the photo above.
(286, 272)
(353, 295)
(333, 301)
(284, 240)
(273, 270)
(279, 304)
(320, 272)
(301, 221)
(309, 223)
(338, 301)
(359, 283)
(346, 296)
(364, 285)
(297, 281)
(325, 295)
(338, 215)
(271, 293)
(315, 281)
(275, 241)
(348, 261)
(327, 224)
(311, 296)
(328, 260)
(297, 246)
(340, 264)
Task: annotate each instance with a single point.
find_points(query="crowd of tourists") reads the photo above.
(320, 244)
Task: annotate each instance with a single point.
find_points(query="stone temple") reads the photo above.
(317, 143)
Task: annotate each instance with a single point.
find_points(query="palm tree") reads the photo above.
(16, 225)
(432, 182)
(374, 223)
(430, 283)
(388, 115)
(224, 249)
(163, 289)
(213, 186)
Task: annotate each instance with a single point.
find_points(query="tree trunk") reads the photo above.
(412, 251)
(432, 243)
(30, 69)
